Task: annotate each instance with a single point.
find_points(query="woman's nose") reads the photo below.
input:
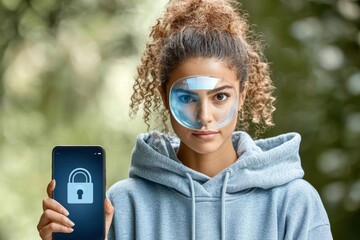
(204, 114)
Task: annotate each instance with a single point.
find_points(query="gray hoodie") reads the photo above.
(261, 196)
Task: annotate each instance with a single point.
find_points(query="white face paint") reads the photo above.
(203, 102)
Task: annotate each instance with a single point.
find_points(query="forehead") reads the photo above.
(206, 67)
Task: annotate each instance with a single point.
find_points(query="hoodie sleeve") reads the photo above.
(305, 215)
(321, 232)
(123, 222)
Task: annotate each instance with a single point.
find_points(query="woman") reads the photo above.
(206, 181)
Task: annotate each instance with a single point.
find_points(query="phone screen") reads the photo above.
(79, 172)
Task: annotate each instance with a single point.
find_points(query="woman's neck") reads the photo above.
(209, 164)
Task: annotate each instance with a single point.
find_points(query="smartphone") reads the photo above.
(80, 177)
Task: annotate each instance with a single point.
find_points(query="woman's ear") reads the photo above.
(163, 97)
(242, 96)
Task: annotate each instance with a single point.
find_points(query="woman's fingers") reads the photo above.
(50, 188)
(46, 232)
(51, 216)
(53, 219)
(52, 204)
(109, 213)
(51, 222)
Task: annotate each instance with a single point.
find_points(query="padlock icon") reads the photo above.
(80, 192)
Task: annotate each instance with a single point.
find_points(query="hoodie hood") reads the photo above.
(264, 163)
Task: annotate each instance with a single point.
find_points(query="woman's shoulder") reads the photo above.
(302, 206)
(300, 196)
(299, 189)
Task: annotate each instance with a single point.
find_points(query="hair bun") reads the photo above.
(221, 15)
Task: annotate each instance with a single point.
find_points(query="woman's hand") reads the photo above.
(54, 217)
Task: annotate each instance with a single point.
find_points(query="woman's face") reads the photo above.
(204, 140)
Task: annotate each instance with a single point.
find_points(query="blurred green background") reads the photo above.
(67, 68)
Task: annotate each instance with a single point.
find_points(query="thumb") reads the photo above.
(50, 188)
(109, 213)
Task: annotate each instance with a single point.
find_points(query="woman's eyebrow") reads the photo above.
(184, 91)
(208, 93)
(219, 89)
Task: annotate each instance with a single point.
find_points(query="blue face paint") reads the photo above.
(203, 102)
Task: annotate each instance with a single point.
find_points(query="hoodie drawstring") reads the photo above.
(192, 188)
(193, 206)
(223, 195)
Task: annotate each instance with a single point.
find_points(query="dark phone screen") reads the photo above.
(83, 197)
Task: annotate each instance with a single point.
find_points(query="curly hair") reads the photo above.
(210, 29)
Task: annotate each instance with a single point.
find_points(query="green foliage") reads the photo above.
(66, 73)
(313, 48)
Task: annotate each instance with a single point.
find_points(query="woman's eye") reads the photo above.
(221, 97)
(186, 99)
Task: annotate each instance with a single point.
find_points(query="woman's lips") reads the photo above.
(205, 135)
